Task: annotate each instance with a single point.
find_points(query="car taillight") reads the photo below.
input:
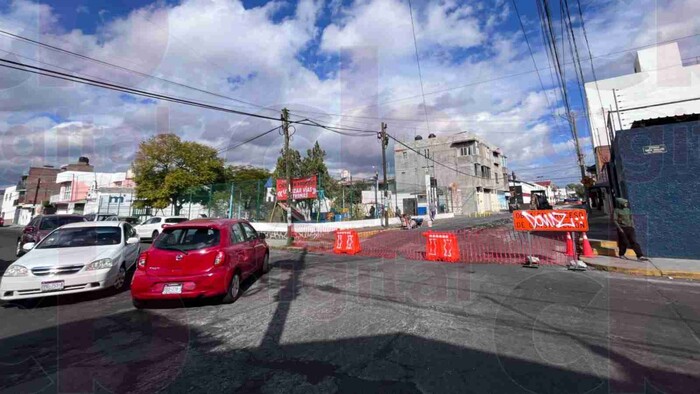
(219, 258)
(142, 261)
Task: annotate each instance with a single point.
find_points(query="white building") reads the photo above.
(9, 205)
(661, 86)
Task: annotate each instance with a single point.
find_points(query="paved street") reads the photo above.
(325, 323)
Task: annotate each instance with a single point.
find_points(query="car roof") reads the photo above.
(92, 224)
(60, 215)
(207, 222)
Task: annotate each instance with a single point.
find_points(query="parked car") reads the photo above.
(2, 221)
(154, 226)
(101, 217)
(42, 225)
(132, 220)
(74, 258)
(200, 258)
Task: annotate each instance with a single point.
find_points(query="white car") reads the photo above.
(154, 226)
(74, 258)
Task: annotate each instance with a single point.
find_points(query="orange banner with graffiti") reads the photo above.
(551, 220)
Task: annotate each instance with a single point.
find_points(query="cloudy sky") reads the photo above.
(319, 59)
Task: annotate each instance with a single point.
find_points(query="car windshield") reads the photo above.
(188, 238)
(82, 236)
(175, 220)
(53, 222)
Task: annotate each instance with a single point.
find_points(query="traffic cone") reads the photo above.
(587, 250)
(569, 245)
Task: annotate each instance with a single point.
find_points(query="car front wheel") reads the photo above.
(121, 278)
(266, 264)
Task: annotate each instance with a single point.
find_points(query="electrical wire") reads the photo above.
(230, 148)
(420, 74)
(122, 68)
(68, 77)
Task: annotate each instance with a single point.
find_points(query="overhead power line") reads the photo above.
(420, 73)
(122, 68)
(105, 85)
(232, 147)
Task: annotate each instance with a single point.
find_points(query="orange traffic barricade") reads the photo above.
(441, 246)
(347, 241)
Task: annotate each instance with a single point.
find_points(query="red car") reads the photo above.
(200, 258)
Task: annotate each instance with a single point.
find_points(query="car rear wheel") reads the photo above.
(234, 288)
(154, 235)
(266, 264)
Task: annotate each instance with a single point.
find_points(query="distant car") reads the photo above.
(74, 258)
(572, 201)
(101, 217)
(154, 226)
(200, 258)
(133, 220)
(42, 225)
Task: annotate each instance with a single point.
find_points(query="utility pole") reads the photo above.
(579, 155)
(36, 193)
(376, 191)
(384, 139)
(288, 173)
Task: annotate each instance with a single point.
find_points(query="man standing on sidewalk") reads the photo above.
(626, 237)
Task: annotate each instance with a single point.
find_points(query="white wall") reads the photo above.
(327, 227)
(660, 78)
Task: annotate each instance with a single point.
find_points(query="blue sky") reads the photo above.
(320, 59)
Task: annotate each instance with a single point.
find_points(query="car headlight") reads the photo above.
(99, 265)
(16, 270)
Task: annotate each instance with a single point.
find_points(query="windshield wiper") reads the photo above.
(175, 248)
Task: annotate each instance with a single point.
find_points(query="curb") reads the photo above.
(648, 271)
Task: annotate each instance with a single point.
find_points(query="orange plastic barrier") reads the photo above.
(346, 241)
(441, 247)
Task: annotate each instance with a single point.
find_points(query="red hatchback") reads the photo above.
(200, 258)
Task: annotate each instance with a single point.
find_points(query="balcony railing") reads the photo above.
(59, 198)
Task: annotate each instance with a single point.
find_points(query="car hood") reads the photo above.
(67, 256)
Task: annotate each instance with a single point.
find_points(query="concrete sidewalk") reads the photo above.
(674, 268)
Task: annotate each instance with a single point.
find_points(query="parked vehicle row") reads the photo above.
(187, 259)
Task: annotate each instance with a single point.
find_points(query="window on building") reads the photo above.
(426, 152)
(495, 175)
(477, 169)
(405, 155)
(463, 151)
(473, 148)
(485, 172)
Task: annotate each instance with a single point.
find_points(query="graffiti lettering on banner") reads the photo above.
(302, 189)
(551, 220)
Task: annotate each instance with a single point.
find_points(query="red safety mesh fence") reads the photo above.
(499, 245)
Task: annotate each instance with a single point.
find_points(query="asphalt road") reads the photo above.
(325, 323)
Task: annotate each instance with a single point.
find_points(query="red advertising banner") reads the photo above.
(302, 188)
(551, 220)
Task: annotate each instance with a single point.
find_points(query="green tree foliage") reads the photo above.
(248, 187)
(295, 161)
(315, 164)
(166, 169)
(577, 187)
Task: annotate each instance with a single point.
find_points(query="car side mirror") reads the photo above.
(262, 236)
(132, 240)
(28, 246)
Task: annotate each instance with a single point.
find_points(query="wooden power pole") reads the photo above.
(385, 141)
(288, 173)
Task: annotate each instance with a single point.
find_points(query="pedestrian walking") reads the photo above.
(626, 237)
(433, 211)
(372, 212)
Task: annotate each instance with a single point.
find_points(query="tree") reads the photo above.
(314, 164)
(248, 186)
(167, 168)
(577, 187)
(295, 161)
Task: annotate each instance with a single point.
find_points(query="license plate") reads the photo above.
(52, 286)
(172, 289)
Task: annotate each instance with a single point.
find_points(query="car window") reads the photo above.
(52, 222)
(34, 222)
(151, 221)
(129, 231)
(175, 220)
(188, 238)
(81, 236)
(237, 235)
(250, 232)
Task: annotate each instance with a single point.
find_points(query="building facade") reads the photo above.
(461, 171)
(660, 86)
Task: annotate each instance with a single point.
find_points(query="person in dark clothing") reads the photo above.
(626, 237)
(372, 212)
